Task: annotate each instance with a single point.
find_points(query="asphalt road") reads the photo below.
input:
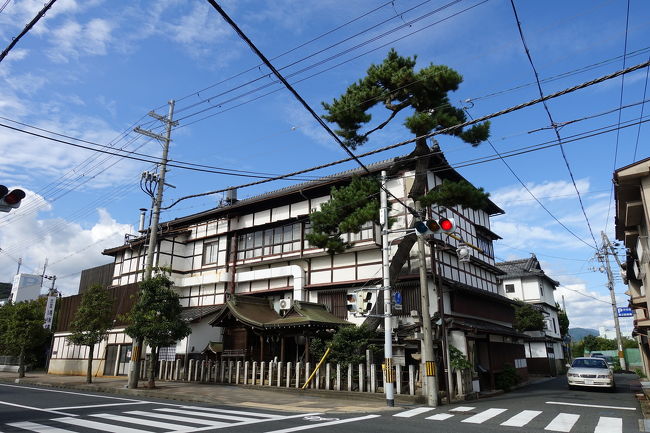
(544, 407)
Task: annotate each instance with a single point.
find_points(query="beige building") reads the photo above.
(632, 192)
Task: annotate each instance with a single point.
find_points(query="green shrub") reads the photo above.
(507, 378)
(639, 372)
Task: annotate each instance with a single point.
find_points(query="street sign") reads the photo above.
(49, 312)
(397, 297)
(625, 312)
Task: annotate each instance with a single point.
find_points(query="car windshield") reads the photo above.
(589, 363)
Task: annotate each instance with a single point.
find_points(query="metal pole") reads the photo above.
(610, 285)
(388, 326)
(134, 365)
(428, 360)
(436, 271)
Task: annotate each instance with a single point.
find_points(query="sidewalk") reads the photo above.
(280, 399)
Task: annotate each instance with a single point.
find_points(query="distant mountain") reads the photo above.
(578, 334)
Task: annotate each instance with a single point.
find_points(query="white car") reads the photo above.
(592, 372)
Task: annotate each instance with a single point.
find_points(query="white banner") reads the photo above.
(49, 312)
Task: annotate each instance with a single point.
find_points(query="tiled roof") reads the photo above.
(522, 268)
(195, 313)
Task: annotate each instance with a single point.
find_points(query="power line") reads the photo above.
(548, 112)
(27, 28)
(638, 132)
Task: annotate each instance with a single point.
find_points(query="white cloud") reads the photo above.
(68, 246)
(73, 39)
(550, 190)
(28, 83)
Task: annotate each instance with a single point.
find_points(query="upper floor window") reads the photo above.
(210, 252)
(485, 244)
(267, 242)
(541, 290)
(510, 288)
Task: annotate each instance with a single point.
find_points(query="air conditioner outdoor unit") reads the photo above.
(285, 304)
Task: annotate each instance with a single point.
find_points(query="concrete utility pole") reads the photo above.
(428, 360)
(610, 285)
(134, 365)
(388, 325)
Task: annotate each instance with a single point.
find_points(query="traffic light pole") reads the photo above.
(388, 326)
(134, 365)
(610, 285)
(428, 360)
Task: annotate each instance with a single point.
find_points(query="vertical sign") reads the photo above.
(49, 312)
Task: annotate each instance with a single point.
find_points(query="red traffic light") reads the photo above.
(447, 225)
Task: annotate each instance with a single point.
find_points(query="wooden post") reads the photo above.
(246, 373)
(373, 378)
(328, 373)
(361, 378)
(279, 381)
(412, 379)
(288, 374)
(349, 377)
(338, 377)
(398, 379)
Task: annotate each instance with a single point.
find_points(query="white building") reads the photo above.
(526, 281)
(26, 287)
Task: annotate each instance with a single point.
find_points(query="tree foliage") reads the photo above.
(156, 318)
(348, 344)
(398, 86)
(21, 331)
(461, 193)
(528, 318)
(350, 207)
(92, 320)
(564, 322)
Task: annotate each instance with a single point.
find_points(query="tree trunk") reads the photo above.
(21, 363)
(406, 244)
(89, 369)
(152, 368)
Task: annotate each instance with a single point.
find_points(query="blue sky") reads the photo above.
(93, 69)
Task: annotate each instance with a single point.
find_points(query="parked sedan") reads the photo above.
(591, 372)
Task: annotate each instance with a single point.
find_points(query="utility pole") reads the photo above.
(610, 284)
(428, 360)
(134, 365)
(388, 325)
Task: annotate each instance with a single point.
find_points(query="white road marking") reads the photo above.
(323, 424)
(203, 422)
(590, 405)
(141, 421)
(36, 408)
(483, 416)
(233, 412)
(413, 412)
(522, 418)
(609, 425)
(462, 409)
(103, 427)
(204, 414)
(39, 428)
(68, 392)
(440, 416)
(257, 421)
(98, 405)
(563, 422)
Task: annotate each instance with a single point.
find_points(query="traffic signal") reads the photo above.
(359, 302)
(10, 200)
(432, 227)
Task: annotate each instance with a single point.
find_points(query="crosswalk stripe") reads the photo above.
(413, 412)
(99, 425)
(440, 416)
(563, 422)
(483, 416)
(609, 425)
(39, 428)
(235, 412)
(462, 409)
(203, 422)
(205, 414)
(522, 418)
(140, 421)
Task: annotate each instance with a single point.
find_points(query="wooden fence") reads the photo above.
(334, 377)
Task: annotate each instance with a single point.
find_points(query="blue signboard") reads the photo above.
(625, 312)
